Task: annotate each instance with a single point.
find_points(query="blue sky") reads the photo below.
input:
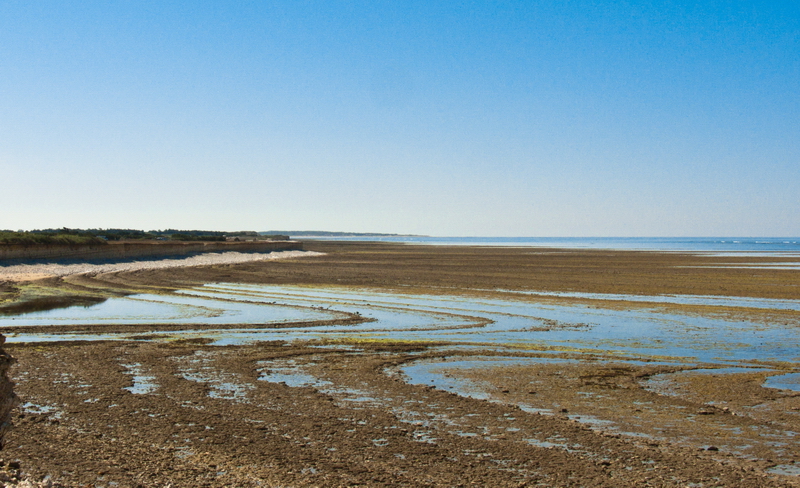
(569, 118)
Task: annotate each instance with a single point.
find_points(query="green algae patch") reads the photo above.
(378, 344)
(22, 299)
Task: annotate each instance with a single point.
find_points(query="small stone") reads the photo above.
(712, 448)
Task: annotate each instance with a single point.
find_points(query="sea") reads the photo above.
(726, 245)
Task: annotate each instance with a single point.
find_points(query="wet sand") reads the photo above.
(442, 269)
(343, 414)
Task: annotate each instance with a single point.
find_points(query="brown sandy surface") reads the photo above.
(212, 421)
(729, 412)
(371, 430)
(453, 269)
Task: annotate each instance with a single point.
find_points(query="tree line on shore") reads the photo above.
(67, 236)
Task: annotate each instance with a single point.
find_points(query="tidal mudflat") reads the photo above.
(459, 371)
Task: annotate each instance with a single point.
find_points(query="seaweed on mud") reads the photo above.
(552, 324)
(8, 292)
(193, 340)
(610, 377)
(147, 337)
(394, 347)
(272, 343)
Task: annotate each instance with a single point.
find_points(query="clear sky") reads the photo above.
(513, 118)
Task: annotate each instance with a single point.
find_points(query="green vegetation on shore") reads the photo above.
(32, 239)
(66, 236)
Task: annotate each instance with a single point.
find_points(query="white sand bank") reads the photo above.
(28, 272)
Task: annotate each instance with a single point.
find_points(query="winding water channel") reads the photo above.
(555, 322)
(690, 335)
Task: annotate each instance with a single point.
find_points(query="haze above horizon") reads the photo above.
(432, 118)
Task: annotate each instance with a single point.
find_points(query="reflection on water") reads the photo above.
(789, 381)
(548, 325)
(142, 383)
(717, 301)
(58, 302)
(167, 309)
(544, 325)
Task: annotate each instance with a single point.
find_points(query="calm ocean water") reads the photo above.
(696, 244)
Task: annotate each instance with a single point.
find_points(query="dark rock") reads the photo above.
(8, 400)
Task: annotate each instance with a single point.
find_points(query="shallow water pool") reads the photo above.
(549, 324)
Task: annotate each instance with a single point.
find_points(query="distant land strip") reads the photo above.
(324, 233)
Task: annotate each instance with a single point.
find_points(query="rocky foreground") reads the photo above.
(205, 416)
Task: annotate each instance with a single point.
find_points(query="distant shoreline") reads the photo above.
(322, 233)
(718, 245)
